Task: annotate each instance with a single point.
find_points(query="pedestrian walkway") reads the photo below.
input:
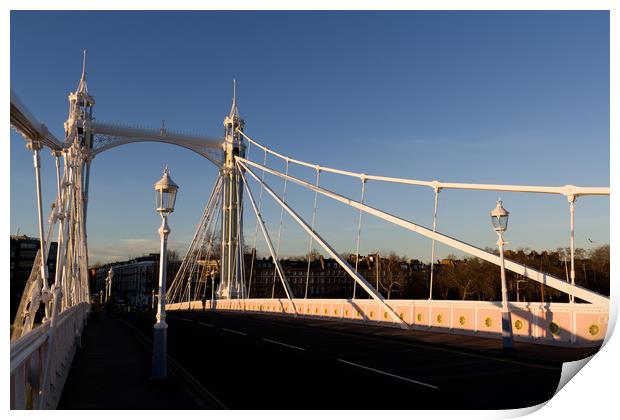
(112, 371)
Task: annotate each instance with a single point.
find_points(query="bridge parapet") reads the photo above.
(558, 324)
(41, 350)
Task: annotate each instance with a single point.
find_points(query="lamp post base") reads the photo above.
(507, 342)
(159, 351)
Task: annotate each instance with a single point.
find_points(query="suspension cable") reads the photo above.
(318, 175)
(176, 284)
(535, 275)
(566, 190)
(211, 225)
(341, 261)
(260, 203)
(277, 265)
(430, 288)
(189, 261)
(273, 287)
(359, 231)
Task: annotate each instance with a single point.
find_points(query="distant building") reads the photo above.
(23, 253)
(133, 281)
(325, 277)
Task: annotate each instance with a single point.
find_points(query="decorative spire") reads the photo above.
(84, 66)
(234, 112)
(82, 87)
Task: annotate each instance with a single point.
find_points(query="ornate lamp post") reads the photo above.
(212, 275)
(108, 285)
(165, 195)
(499, 219)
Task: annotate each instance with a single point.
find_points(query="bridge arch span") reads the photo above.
(108, 136)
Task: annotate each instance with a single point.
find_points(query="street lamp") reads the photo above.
(108, 284)
(165, 195)
(212, 274)
(153, 300)
(499, 219)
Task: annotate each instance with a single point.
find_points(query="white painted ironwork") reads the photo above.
(566, 190)
(36, 350)
(23, 121)
(259, 219)
(29, 353)
(231, 284)
(531, 273)
(195, 265)
(107, 136)
(343, 263)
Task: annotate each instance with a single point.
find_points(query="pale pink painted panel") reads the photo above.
(591, 327)
(490, 320)
(420, 315)
(521, 324)
(463, 319)
(404, 312)
(440, 316)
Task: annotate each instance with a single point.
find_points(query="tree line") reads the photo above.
(471, 278)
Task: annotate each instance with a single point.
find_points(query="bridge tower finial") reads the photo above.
(84, 65)
(234, 112)
(82, 87)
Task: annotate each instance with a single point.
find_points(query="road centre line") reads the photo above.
(388, 374)
(206, 324)
(282, 344)
(234, 331)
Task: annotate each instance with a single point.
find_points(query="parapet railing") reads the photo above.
(41, 359)
(558, 324)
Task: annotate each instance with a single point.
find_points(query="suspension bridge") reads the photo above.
(42, 350)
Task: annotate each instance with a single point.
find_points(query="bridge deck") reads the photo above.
(259, 361)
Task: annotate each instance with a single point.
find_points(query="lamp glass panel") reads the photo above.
(158, 199)
(500, 222)
(503, 221)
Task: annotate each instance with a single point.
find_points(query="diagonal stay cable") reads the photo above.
(343, 263)
(554, 282)
(278, 266)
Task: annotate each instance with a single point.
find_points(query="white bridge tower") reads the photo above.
(231, 263)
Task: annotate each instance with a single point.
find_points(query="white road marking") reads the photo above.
(388, 374)
(283, 344)
(206, 324)
(234, 331)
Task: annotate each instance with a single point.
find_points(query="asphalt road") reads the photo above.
(262, 362)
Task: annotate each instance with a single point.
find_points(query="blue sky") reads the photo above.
(485, 97)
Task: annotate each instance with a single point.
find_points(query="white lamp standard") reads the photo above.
(212, 274)
(108, 284)
(499, 218)
(165, 195)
